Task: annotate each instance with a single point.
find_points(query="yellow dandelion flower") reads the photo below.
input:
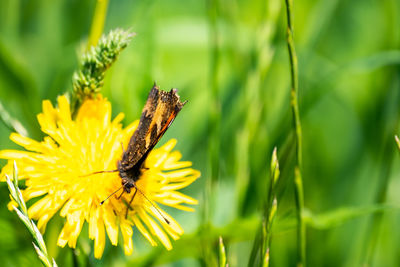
(56, 169)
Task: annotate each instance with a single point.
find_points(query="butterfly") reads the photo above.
(159, 112)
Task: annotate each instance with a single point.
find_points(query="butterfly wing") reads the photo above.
(159, 112)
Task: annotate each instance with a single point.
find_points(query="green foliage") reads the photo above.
(230, 60)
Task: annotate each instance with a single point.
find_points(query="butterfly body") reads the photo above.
(128, 176)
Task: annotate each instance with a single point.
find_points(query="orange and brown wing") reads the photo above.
(159, 112)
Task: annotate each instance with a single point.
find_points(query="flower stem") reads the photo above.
(299, 195)
(99, 18)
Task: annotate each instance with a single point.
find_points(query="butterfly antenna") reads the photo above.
(101, 203)
(92, 173)
(154, 206)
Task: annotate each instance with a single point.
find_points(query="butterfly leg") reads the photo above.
(130, 202)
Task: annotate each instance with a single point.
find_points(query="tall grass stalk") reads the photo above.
(299, 195)
(222, 253)
(22, 213)
(396, 138)
(214, 119)
(98, 21)
(260, 253)
(271, 208)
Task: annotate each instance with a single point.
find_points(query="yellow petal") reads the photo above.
(36, 210)
(181, 207)
(111, 226)
(173, 228)
(75, 220)
(173, 197)
(12, 204)
(169, 145)
(34, 192)
(180, 185)
(127, 232)
(99, 241)
(43, 220)
(143, 230)
(62, 238)
(176, 165)
(47, 119)
(155, 229)
(15, 154)
(118, 118)
(64, 111)
(26, 142)
(180, 175)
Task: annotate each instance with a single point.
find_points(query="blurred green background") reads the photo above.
(229, 59)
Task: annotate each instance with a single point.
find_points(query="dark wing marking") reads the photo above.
(143, 158)
(159, 112)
